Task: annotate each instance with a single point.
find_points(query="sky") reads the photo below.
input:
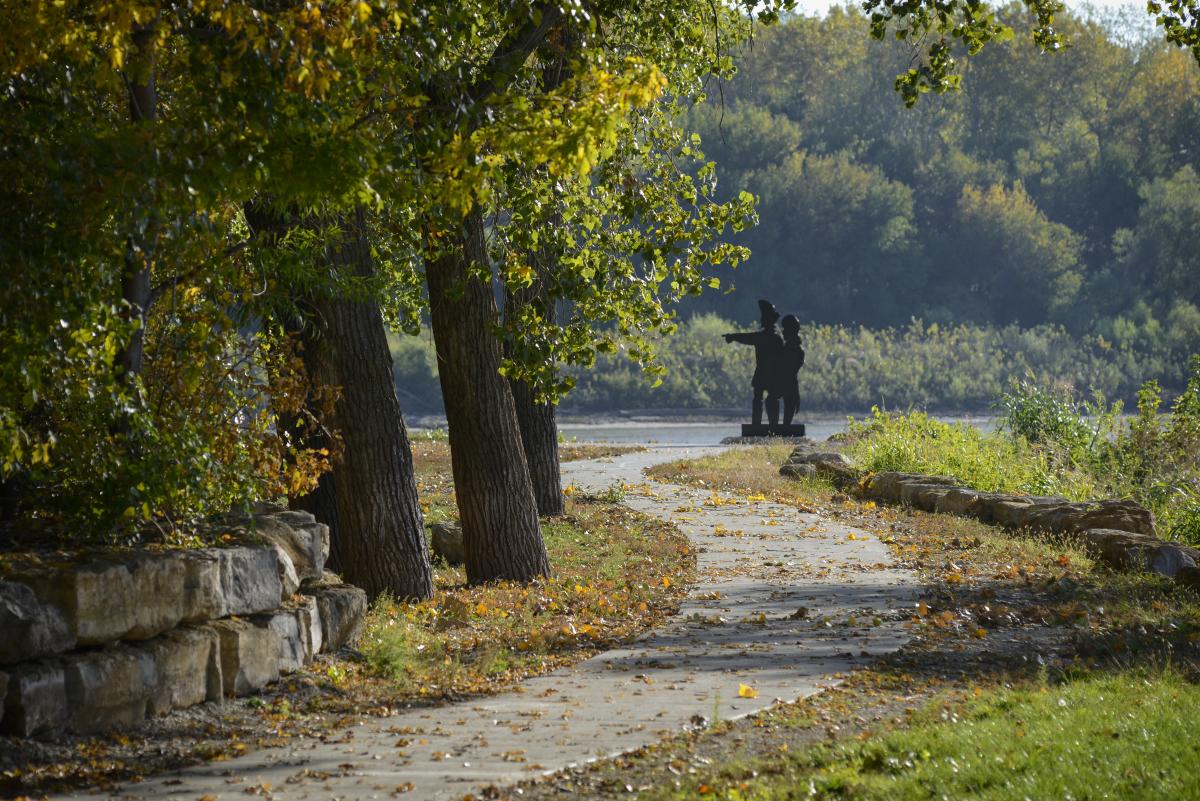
(1132, 9)
(819, 6)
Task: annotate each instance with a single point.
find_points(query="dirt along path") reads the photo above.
(784, 602)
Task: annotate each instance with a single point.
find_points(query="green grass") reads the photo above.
(994, 462)
(1105, 738)
(1115, 737)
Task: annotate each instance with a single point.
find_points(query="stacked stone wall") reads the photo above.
(1119, 533)
(106, 640)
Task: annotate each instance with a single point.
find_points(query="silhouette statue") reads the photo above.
(767, 344)
(787, 368)
(777, 361)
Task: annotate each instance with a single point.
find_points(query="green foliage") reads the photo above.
(1052, 443)
(917, 443)
(229, 189)
(1126, 733)
(1053, 190)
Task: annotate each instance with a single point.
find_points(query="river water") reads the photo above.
(668, 433)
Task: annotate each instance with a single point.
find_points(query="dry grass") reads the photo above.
(616, 573)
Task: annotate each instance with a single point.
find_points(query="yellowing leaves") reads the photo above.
(746, 691)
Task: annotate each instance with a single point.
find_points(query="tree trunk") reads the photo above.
(539, 431)
(322, 501)
(501, 534)
(539, 439)
(139, 247)
(372, 493)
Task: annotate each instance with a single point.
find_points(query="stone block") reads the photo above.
(289, 580)
(1011, 513)
(820, 457)
(299, 534)
(1188, 577)
(886, 486)
(29, 628)
(955, 500)
(285, 623)
(250, 579)
(36, 701)
(1167, 560)
(983, 505)
(249, 656)
(109, 688)
(446, 539)
(1122, 550)
(309, 617)
(342, 609)
(1057, 517)
(127, 595)
(203, 598)
(920, 494)
(1120, 515)
(799, 470)
(187, 661)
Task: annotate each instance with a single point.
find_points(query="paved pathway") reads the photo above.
(760, 564)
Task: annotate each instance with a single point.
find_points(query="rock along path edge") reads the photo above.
(785, 603)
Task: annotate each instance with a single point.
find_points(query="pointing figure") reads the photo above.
(768, 346)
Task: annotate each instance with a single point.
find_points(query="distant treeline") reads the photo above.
(849, 368)
(1053, 189)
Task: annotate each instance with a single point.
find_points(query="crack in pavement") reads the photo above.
(785, 602)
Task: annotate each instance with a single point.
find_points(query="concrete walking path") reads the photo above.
(784, 602)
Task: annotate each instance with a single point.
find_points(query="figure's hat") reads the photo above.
(767, 309)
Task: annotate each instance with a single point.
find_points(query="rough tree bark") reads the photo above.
(539, 429)
(380, 543)
(321, 502)
(369, 498)
(501, 534)
(139, 247)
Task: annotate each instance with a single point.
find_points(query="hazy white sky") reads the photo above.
(819, 6)
(1127, 16)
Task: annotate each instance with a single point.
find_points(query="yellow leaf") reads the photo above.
(481, 609)
(922, 609)
(980, 633)
(364, 11)
(746, 691)
(666, 582)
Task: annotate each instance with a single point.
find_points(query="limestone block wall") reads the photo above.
(1119, 533)
(108, 640)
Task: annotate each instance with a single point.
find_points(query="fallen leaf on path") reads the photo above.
(746, 691)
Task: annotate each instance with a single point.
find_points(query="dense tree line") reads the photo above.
(1054, 189)
(942, 368)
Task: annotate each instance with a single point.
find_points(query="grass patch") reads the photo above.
(616, 574)
(993, 462)
(745, 470)
(1108, 737)
(576, 451)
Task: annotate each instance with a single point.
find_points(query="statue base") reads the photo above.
(777, 430)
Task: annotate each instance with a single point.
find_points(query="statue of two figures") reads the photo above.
(777, 363)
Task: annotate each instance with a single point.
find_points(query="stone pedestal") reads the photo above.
(777, 430)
